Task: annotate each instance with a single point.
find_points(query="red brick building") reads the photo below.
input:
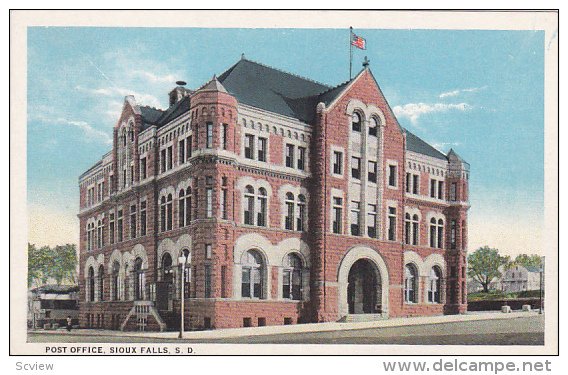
(290, 202)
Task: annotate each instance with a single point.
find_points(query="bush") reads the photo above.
(530, 294)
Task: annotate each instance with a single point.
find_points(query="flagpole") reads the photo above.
(350, 50)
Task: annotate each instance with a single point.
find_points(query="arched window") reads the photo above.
(249, 205)
(91, 282)
(100, 240)
(169, 210)
(167, 271)
(188, 217)
(407, 229)
(101, 282)
(410, 284)
(301, 218)
(415, 229)
(292, 278)
(163, 213)
(262, 199)
(356, 122)
(434, 285)
(289, 219)
(440, 233)
(115, 281)
(181, 209)
(139, 280)
(433, 232)
(373, 126)
(252, 275)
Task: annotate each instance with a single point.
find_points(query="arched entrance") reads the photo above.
(363, 268)
(364, 288)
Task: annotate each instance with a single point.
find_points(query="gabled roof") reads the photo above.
(271, 89)
(416, 144)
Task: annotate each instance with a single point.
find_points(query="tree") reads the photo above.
(59, 263)
(525, 260)
(483, 265)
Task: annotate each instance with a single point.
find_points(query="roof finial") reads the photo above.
(366, 62)
(242, 56)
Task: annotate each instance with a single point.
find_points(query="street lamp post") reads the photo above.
(183, 260)
(540, 288)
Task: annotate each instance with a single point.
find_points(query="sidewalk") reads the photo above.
(300, 328)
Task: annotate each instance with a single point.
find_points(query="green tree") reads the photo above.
(483, 265)
(65, 263)
(525, 260)
(59, 263)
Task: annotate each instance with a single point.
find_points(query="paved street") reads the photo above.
(516, 331)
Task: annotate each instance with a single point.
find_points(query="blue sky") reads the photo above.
(479, 92)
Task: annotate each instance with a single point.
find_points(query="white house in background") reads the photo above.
(520, 278)
(474, 286)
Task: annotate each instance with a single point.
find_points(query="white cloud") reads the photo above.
(89, 131)
(413, 111)
(457, 92)
(142, 99)
(167, 78)
(441, 146)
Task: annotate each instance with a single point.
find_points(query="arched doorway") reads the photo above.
(380, 271)
(364, 288)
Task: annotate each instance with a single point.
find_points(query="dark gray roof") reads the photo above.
(532, 268)
(158, 117)
(416, 144)
(273, 90)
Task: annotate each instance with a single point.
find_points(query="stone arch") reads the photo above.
(183, 242)
(263, 246)
(353, 255)
(166, 246)
(138, 251)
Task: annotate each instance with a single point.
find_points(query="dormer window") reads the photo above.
(356, 122)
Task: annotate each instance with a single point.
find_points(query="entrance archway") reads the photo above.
(366, 265)
(364, 289)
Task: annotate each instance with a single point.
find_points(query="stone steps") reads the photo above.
(352, 318)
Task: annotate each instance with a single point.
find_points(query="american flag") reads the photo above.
(358, 42)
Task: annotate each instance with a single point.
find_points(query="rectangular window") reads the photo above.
(415, 231)
(453, 234)
(131, 175)
(337, 162)
(372, 172)
(392, 224)
(301, 158)
(196, 136)
(170, 157)
(440, 236)
(133, 221)
(143, 169)
(261, 149)
(224, 128)
(355, 220)
(356, 168)
(415, 184)
(433, 234)
(143, 218)
(208, 251)
(223, 204)
(453, 191)
(207, 281)
(249, 146)
(189, 147)
(407, 187)
(392, 175)
(209, 127)
(119, 225)
(372, 220)
(440, 190)
(163, 160)
(181, 152)
(337, 214)
(209, 198)
(289, 155)
(432, 188)
(111, 227)
(223, 281)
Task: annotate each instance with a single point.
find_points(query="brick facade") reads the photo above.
(197, 198)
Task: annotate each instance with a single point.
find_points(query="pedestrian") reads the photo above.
(69, 321)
